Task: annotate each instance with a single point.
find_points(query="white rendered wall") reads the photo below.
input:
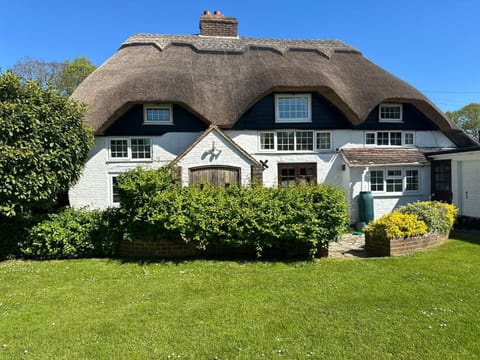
(93, 190)
(384, 203)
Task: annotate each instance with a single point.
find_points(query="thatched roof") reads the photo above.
(219, 79)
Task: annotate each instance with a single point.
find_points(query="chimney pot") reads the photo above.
(217, 13)
(207, 13)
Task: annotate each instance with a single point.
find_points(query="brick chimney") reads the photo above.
(218, 25)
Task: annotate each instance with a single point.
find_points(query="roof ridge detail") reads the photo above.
(240, 44)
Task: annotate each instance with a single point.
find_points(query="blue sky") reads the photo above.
(433, 45)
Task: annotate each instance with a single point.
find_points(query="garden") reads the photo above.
(421, 306)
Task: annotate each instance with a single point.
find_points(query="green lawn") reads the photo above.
(424, 306)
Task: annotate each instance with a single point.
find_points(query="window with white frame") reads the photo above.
(304, 140)
(376, 180)
(412, 180)
(324, 141)
(267, 141)
(395, 180)
(295, 140)
(390, 113)
(141, 148)
(130, 148)
(285, 140)
(115, 198)
(119, 148)
(409, 139)
(293, 108)
(158, 114)
(388, 138)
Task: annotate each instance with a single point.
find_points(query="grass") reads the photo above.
(423, 306)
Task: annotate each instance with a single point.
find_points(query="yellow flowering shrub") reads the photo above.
(438, 216)
(396, 225)
(451, 212)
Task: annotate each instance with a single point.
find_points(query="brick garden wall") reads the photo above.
(393, 247)
(160, 248)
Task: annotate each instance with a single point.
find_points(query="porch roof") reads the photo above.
(376, 157)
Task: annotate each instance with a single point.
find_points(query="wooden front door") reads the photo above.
(215, 175)
(442, 181)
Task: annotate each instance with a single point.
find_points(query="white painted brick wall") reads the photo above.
(228, 156)
(93, 190)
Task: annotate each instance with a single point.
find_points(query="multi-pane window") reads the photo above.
(383, 138)
(409, 139)
(115, 196)
(293, 108)
(390, 113)
(304, 140)
(267, 141)
(376, 180)
(396, 138)
(158, 114)
(370, 139)
(388, 138)
(285, 140)
(134, 148)
(411, 178)
(119, 148)
(395, 180)
(141, 148)
(295, 140)
(324, 141)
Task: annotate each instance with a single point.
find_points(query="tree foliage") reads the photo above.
(467, 118)
(43, 144)
(62, 76)
(73, 73)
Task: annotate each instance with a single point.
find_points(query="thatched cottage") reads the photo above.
(230, 110)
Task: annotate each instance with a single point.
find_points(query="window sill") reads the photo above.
(395, 194)
(293, 152)
(157, 123)
(128, 161)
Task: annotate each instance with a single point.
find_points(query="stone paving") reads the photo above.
(351, 246)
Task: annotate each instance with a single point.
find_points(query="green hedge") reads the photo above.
(300, 219)
(73, 234)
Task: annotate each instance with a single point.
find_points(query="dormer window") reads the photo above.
(157, 114)
(390, 113)
(293, 108)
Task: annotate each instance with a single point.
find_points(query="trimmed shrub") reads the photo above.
(300, 219)
(73, 234)
(396, 225)
(439, 217)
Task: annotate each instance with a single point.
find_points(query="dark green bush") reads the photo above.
(299, 219)
(14, 230)
(73, 234)
(439, 217)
